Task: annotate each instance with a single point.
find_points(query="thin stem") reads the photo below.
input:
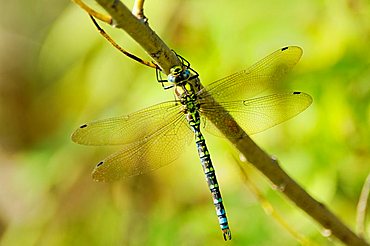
(138, 10)
(91, 12)
(362, 207)
(118, 47)
(142, 34)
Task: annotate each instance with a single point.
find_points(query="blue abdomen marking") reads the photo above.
(192, 115)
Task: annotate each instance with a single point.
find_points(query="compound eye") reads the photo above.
(175, 72)
(186, 74)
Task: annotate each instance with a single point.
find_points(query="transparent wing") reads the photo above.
(152, 152)
(254, 115)
(128, 128)
(257, 78)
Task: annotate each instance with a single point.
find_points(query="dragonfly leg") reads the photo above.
(161, 80)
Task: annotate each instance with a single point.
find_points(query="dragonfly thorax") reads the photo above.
(190, 103)
(185, 92)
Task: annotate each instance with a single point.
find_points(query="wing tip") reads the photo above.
(81, 135)
(98, 174)
(102, 173)
(305, 95)
(293, 49)
(76, 136)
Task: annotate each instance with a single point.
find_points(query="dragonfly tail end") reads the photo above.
(227, 234)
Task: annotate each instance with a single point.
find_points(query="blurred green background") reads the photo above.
(57, 72)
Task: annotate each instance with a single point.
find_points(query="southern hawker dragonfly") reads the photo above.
(155, 136)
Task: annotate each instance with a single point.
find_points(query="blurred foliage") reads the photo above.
(57, 72)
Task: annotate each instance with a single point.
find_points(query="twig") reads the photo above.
(138, 10)
(166, 59)
(123, 51)
(141, 33)
(97, 15)
(361, 207)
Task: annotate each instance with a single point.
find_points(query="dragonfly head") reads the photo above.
(178, 74)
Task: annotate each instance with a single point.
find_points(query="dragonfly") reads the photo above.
(156, 136)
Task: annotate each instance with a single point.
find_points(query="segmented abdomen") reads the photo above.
(194, 122)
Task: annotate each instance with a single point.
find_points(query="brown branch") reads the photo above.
(266, 205)
(158, 50)
(271, 169)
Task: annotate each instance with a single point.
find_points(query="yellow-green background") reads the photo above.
(57, 72)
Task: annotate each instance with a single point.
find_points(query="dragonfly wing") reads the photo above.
(254, 115)
(257, 78)
(148, 154)
(129, 128)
